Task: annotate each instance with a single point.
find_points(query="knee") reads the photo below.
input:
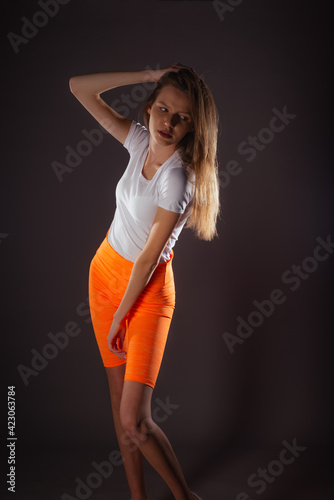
(128, 424)
(138, 430)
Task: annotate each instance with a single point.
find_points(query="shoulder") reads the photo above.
(179, 174)
(177, 182)
(138, 135)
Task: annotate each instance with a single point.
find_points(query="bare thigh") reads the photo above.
(135, 408)
(131, 399)
(115, 376)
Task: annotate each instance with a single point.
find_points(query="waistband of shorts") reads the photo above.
(128, 264)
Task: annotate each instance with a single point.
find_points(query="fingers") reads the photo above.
(116, 346)
(115, 339)
(119, 354)
(115, 343)
(175, 67)
(179, 65)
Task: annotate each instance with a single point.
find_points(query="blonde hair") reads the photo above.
(198, 148)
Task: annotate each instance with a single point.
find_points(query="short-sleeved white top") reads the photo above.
(138, 198)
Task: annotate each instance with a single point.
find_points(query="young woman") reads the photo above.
(171, 179)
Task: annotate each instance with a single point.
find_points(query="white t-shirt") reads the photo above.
(138, 198)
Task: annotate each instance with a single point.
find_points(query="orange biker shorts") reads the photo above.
(147, 322)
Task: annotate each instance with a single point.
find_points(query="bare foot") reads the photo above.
(196, 497)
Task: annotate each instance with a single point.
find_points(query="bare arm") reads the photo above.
(148, 259)
(142, 271)
(87, 89)
(96, 83)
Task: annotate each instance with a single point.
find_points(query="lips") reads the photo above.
(165, 134)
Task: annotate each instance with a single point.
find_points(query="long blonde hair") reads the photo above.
(198, 148)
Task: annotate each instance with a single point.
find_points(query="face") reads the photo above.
(170, 113)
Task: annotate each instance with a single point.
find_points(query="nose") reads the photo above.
(170, 121)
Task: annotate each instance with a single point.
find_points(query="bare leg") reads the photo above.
(135, 414)
(132, 456)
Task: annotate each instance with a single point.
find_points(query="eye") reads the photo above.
(183, 118)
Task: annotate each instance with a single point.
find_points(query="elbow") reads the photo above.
(153, 267)
(75, 84)
(146, 266)
(149, 268)
(72, 84)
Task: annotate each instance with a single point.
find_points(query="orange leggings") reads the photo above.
(147, 322)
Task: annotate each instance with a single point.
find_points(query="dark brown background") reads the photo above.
(235, 410)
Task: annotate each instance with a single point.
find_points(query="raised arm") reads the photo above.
(87, 89)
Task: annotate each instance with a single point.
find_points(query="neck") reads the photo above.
(157, 154)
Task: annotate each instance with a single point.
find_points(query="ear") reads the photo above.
(149, 110)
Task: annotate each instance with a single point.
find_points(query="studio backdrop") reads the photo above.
(247, 367)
